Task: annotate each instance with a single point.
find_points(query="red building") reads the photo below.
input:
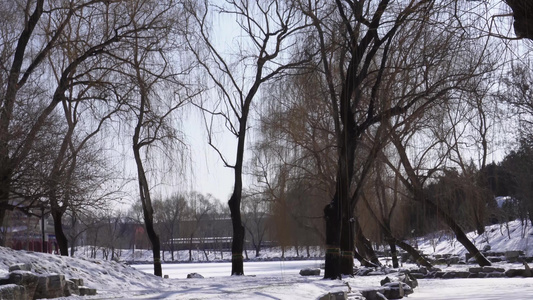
(27, 233)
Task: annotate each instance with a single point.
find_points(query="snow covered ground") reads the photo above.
(276, 279)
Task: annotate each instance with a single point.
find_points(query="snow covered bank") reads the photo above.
(509, 236)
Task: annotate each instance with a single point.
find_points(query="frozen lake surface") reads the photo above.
(435, 289)
(220, 269)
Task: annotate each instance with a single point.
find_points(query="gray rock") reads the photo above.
(56, 285)
(50, 286)
(385, 280)
(453, 260)
(355, 295)
(397, 290)
(380, 296)
(417, 275)
(13, 292)
(194, 275)
(20, 267)
(437, 274)
(495, 275)
(334, 296)
(462, 274)
(515, 273)
(373, 294)
(364, 271)
(42, 287)
(441, 261)
(85, 291)
(448, 275)
(475, 270)
(77, 281)
(310, 272)
(495, 259)
(513, 255)
(374, 273)
(26, 279)
(409, 280)
(71, 288)
(488, 269)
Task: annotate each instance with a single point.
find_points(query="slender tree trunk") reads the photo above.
(234, 203)
(172, 250)
(415, 186)
(419, 259)
(459, 234)
(190, 248)
(365, 262)
(147, 206)
(394, 255)
(364, 247)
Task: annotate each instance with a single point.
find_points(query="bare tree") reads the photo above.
(170, 212)
(268, 28)
(359, 63)
(255, 216)
(199, 208)
(82, 32)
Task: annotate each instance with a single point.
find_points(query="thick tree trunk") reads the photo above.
(234, 203)
(61, 238)
(347, 246)
(237, 245)
(333, 255)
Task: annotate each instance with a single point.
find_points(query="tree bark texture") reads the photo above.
(347, 246)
